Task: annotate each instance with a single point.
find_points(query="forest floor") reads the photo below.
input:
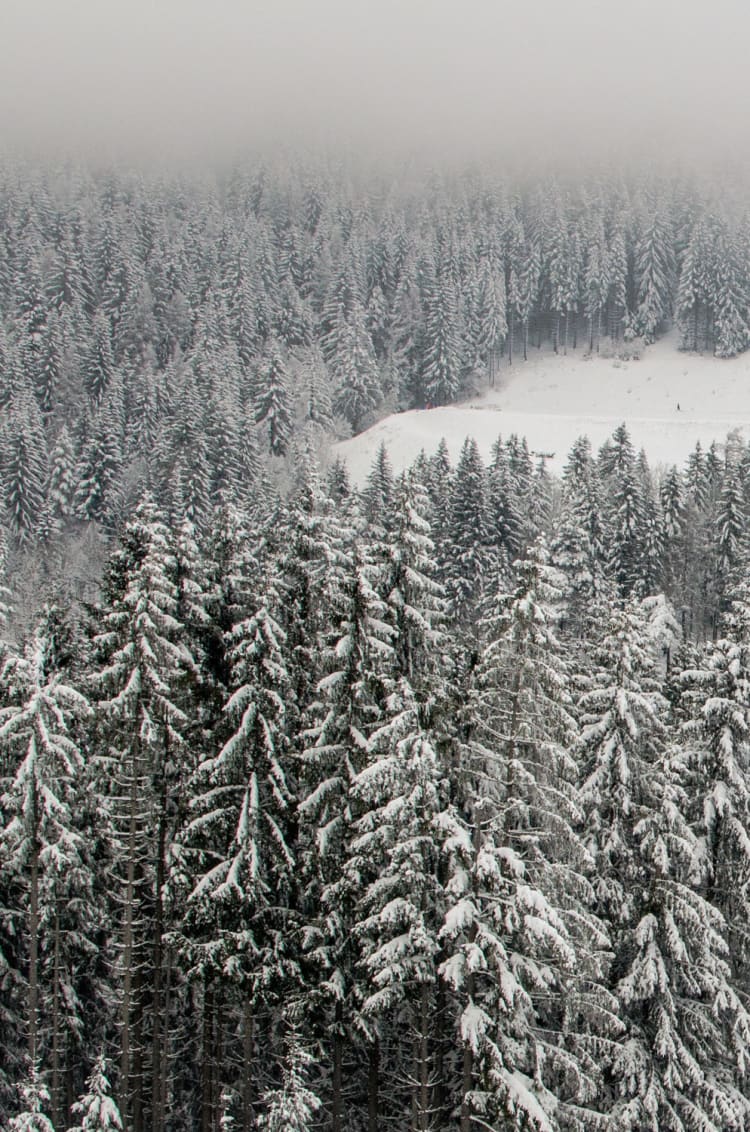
(667, 398)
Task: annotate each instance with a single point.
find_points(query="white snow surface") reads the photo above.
(553, 399)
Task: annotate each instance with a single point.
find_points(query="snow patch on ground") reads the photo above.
(554, 399)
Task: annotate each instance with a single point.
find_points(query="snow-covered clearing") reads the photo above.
(553, 399)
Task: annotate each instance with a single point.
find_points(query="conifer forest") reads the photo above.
(413, 805)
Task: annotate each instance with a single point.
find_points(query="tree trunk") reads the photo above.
(439, 1055)
(337, 1074)
(34, 955)
(218, 1060)
(157, 1008)
(373, 1086)
(207, 1068)
(422, 1074)
(467, 1075)
(247, 1068)
(129, 979)
(56, 1083)
(467, 1082)
(164, 1071)
(137, 1071)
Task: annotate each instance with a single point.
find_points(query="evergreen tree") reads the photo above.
(272, 402)
(355, 371)
(96, 1110)
(61, 488)
(38, 732)
(470, 557)
(24, 468)
(293, 1106)
(512, 918)
(349, 707)
(34, 1097)
(443, 362)
(669, 971)
(140, 681)
(654, 272)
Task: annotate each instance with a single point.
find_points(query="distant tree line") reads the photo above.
(174, 334)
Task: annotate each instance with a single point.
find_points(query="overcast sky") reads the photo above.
(452, 77)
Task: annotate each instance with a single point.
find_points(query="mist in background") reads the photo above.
(538, 80)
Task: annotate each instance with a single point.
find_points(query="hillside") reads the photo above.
(553, 399)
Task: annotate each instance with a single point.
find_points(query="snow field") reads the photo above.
(554, 399)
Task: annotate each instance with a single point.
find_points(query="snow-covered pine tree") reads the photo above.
(504, 515)
(716, 741)
(140, 682)
(523, 951)
(443, 360)
(61, 486)
(470, 555)
(731, 298)
(96, 1109)
(355, 371)
(669, 972)
(272, 405)
(578, 548)
(349, 706)
(293, 1106)
(40, 734)
(378, 493)
(654, 271)
(400, 793)
(490, 324)
(243, 825)
(24, 467)
(34, 1100)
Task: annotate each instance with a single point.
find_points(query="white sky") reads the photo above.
(443, 76)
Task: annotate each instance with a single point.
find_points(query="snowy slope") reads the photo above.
(552, 400)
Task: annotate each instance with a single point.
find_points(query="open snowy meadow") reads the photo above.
(667, 398)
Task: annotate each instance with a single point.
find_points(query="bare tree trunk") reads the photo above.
(217, 1060)
(157, 961)
(337, 1075)
(130, 1021)
(467, 1076)
(137, 1073)
(207, 1068)
(438, 1102)
(34, 955)
(56, 1083)
(70, 1095)
(373, 1086)
(467, 1081)
(247, 1069)
(164, 1071)
(421, 1103)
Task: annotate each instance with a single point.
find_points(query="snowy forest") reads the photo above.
(418, 805)
(179, 335)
